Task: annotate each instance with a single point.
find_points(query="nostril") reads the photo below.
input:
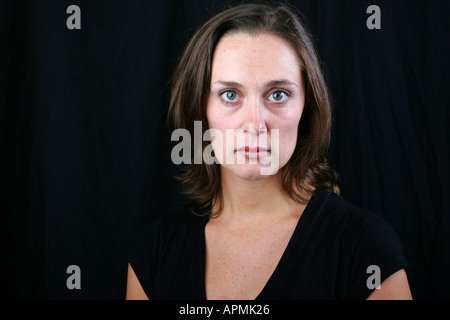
(255, 132)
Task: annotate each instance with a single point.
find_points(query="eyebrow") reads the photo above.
(273, 83)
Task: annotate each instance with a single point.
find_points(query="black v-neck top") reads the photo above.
(327, 257)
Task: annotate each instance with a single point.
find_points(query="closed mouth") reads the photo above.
(253, 152)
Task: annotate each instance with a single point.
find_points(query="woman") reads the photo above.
(252, 71)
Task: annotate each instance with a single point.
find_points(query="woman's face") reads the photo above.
(256, 102)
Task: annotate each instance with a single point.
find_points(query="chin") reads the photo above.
(257, 170)
(250, 172)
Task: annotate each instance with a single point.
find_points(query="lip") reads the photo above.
(253, 152)
(253, 149)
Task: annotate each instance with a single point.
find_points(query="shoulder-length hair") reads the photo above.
(308, 170)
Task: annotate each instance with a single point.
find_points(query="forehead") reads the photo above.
(265, 56)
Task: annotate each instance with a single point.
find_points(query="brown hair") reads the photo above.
(308, 169)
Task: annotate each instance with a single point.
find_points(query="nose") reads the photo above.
(254, 118)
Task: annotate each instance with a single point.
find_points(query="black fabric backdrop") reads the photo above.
(85, 152)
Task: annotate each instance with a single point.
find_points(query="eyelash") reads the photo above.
(285, 92)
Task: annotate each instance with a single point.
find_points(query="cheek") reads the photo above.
(288, 138)
(218, 124)
(216, 119)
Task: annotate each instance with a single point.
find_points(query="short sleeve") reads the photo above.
(378, 255)
(142, 257)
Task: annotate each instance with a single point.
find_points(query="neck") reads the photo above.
(247, 200)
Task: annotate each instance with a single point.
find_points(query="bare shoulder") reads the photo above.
(134, 288)
(396, 287)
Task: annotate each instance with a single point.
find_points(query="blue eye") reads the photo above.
(278, 96)
(230, 96)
